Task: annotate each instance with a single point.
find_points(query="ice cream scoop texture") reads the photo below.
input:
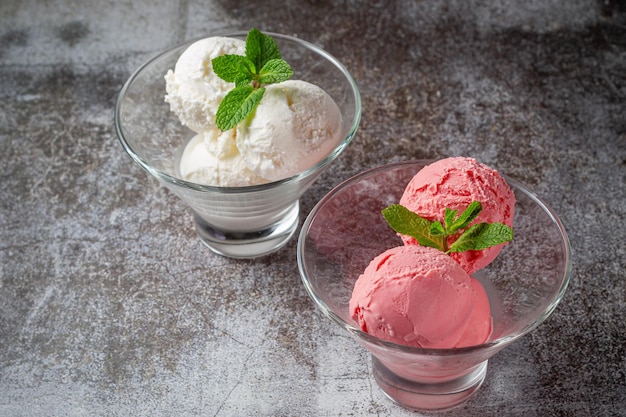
(454, 183)
(418, 296)
(194, 92)
(295, 126)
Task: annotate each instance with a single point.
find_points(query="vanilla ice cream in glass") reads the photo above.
(243, 184)
(346, 234)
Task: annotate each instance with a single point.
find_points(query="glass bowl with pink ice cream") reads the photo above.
(430, 311)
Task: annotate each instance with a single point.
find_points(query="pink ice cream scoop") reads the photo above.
(480, 323)
(454, 183)
(418, 296)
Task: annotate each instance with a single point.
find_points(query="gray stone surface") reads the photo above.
(109, 304)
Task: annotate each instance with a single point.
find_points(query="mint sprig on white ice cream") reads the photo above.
(262, 65)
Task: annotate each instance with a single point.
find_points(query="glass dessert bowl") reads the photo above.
(346, 230)
(242, 221)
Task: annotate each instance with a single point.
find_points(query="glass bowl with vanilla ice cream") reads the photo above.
(242, 182)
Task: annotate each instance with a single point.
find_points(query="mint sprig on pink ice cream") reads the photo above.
(436, 234)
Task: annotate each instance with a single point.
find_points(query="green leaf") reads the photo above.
(233, 68)
(260, 48)
(448, 218)
(436, 229)
(481, 236)
(404, 221)
(237, 105)
(261, 65)
(468, 216)
(275, 71)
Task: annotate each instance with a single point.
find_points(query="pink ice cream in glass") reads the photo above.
(454, 183)
(418, 296)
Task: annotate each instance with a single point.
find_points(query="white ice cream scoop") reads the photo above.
(212, 158)
(296, 125)
(194, 92)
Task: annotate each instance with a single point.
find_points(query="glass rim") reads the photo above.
(169, 179)
(359, 334)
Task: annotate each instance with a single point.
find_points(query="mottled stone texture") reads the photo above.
(109, 304)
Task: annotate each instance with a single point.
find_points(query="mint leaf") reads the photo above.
(437, 229)
(253, 47)
(233, 68)
(435, 234)
(448, 218)
(261, 65)
(404, 221)
(261, 48)
(468, 216)
(237, 105)
(482, 236)
(275, 71)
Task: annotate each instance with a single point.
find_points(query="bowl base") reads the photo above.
(428, 396)
(246, 245)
